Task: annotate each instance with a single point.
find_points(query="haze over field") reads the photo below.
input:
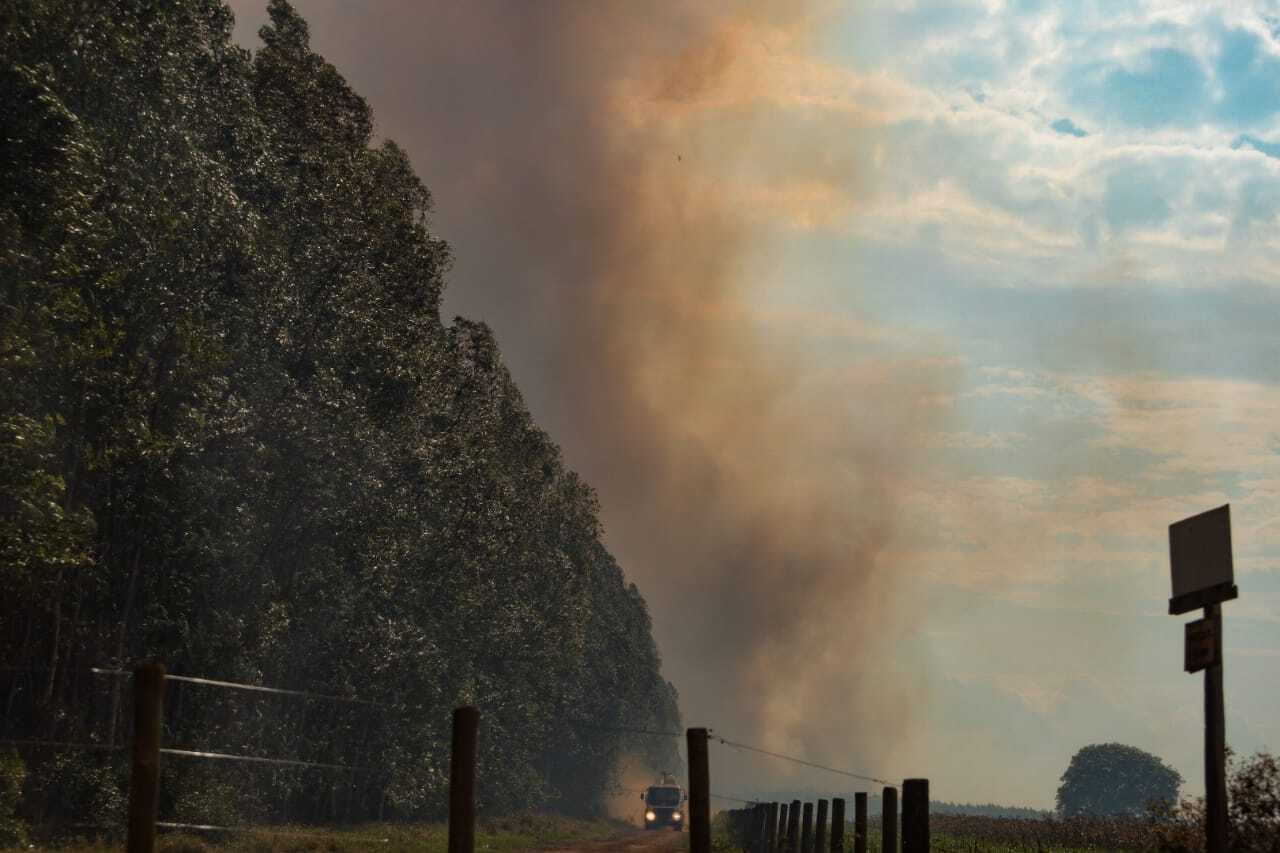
(919, 326)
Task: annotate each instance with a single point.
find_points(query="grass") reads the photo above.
(518, 832)
(958, 844)
(965, 834)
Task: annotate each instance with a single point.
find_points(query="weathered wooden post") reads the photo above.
(771, 829)
(820, 828)
(860, 822)
(793, 827)
(462, 780)
(837, 825)
(806, 829)
(889, 821)
(784, 817)
(144, 775)
(915, 816)
(699, 792)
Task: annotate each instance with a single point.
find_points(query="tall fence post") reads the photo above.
(793, 827)
(462, 780)
(860, 822)
(771, 828)
(806, 829)
(784, 824)
(915, 816)
(1215, 741)
(699, 792)
(144, 775)
(837, 825)
(820, 828)
(889, 821)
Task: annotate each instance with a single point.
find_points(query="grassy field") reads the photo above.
(520, 832)
(969, 834)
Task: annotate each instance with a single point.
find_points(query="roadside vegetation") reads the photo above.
(237, 437)
(1163, 826)
(518, 832)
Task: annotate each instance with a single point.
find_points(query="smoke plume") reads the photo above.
(612, 177)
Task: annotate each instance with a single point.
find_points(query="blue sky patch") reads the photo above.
(1165, 87)
(1067, 126)
(1249, 76)
(1245, 140)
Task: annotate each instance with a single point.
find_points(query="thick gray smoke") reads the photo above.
(605, 172)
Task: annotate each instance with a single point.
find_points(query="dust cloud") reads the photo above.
(634, 776)
(613, 177)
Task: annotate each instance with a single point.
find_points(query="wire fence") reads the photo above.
(294, 753)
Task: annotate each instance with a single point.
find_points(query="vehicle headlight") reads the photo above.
(675, 815)
(650, 816)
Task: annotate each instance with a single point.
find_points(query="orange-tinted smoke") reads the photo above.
(611, 176)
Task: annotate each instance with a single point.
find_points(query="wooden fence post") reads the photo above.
(699, 792)
(837, 825)
(144, 776)
(820, 828)
(889, 821)
(793, 827)
(806, 829)
(462, 780)
(860, 822)
(915, 816)
(771, 828)
(784, 823)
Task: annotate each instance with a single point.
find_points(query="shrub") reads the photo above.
(1253, 802)
(12, 775)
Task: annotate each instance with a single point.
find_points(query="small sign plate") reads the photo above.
(1201, 649)
(1200, 560)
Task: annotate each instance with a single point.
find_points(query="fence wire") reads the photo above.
(340, 733)
(801, 761)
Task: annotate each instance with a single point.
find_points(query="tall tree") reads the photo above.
(236, 436)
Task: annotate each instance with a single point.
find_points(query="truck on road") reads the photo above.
(664, 804)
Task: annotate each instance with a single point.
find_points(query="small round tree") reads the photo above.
(1111, 778)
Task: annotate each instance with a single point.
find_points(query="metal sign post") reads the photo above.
(1201, 566)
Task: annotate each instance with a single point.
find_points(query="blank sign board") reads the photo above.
(1200, 559)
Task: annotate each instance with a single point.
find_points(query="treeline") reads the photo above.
(236, 437)
(989, 810)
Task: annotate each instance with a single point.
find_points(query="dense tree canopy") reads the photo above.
(1112, 778)
(235, 436)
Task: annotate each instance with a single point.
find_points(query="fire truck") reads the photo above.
(664, 804)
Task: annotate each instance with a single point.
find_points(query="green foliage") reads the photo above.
(1253, 798)
(524, 831)
(13, 833)
(236, 436)
(1112, 778)
(88, 788)
(1253, 810)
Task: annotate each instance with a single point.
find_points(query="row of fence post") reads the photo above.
(795, 827)
(144, 773)
(798, 828)
(769, 827)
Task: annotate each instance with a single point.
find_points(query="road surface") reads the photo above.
(636, 841)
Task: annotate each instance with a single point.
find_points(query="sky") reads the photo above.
(992, 288)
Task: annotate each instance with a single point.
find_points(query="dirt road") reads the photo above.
(636, 841)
